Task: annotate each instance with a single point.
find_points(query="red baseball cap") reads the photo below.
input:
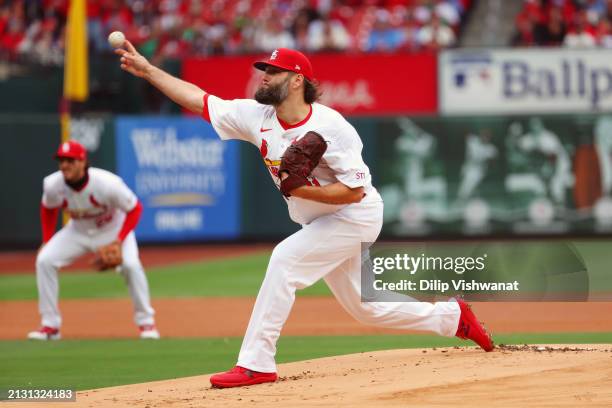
(290, 60)
(72, 150)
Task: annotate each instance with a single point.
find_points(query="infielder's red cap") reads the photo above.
(72, 150)
(290, 60)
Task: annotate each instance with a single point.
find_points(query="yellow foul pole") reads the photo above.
(76, 68)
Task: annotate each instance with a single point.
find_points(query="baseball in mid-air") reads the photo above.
(116, 39)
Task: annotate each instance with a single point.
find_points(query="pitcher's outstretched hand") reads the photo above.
(132, 61)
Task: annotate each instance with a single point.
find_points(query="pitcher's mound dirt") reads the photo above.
(524, 376)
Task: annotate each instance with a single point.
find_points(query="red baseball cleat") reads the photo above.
(470, 328)
(240, 377)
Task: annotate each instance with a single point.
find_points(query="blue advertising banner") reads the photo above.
(185, 176)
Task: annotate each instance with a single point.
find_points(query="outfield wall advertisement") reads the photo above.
(524, 81)
(186, 177)
(352, 84)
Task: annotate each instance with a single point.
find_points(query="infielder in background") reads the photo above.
(335, 202)
(103, 212)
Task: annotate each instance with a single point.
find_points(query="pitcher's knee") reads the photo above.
(281, 271)
(281, 258)
(43, 261)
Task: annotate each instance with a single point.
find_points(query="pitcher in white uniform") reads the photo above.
(102, 209)
(338, 211)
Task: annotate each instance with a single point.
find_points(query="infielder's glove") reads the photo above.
(299, 160)
(108, 256)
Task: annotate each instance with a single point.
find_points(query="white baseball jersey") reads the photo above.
(248, 120)
(100, 205)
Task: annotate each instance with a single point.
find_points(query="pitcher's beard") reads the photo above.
(274, 94)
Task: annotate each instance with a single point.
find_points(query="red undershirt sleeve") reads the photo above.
(205, 112)
(130, 222)
(48, 221)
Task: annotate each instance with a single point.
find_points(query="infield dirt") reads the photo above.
(225, 317)
(536, 376)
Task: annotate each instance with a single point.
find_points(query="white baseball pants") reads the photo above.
(330, 248)
(67, 245)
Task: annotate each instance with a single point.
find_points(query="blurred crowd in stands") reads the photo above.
(569, 23)
(33, 30)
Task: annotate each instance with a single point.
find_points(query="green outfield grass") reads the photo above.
(240, 276)
(87, 364)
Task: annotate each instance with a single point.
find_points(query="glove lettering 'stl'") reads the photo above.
(108, 256)
(299, 160)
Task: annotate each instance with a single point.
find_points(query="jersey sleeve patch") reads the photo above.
(343, 156)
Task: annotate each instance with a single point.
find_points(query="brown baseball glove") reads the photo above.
(108, 256)
(299, 160)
